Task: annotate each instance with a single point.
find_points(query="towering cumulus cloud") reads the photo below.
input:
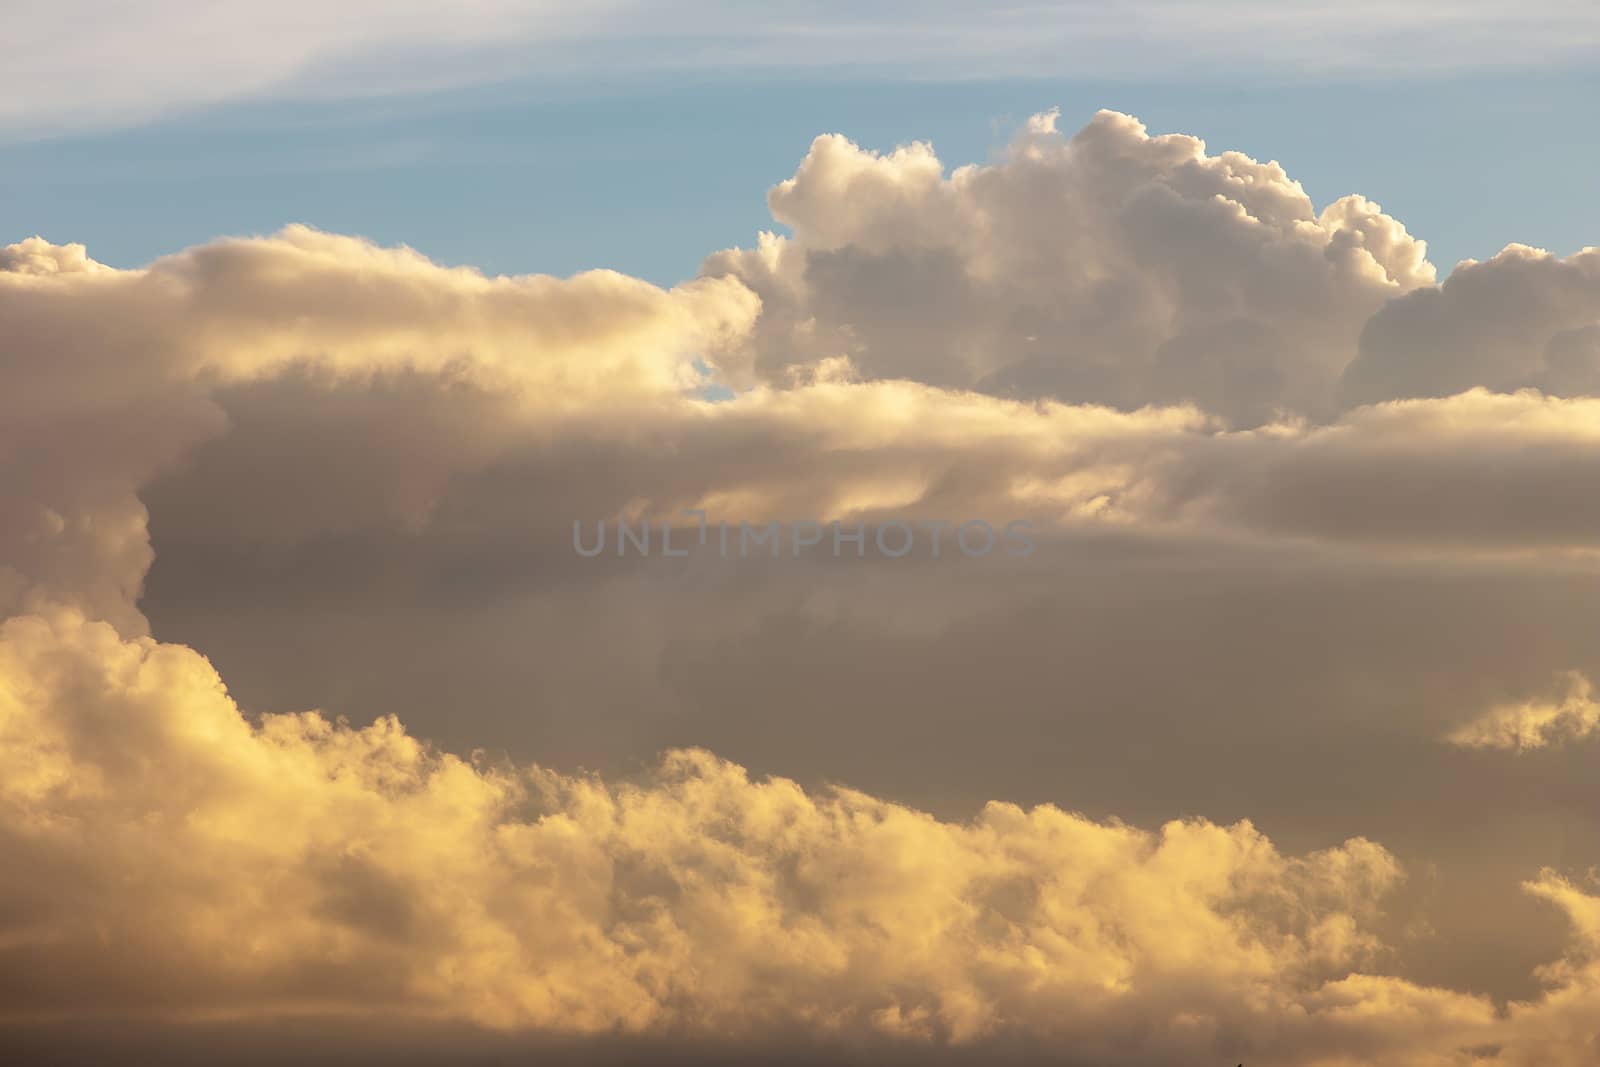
(1277, 748)
(1112, 267)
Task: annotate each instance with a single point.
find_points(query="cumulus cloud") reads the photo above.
(700, 897)
(38, 256)
(1523, 320)
(245, 307)
(1253, 613)
(177, 859)
(117, 365)
(1110, 267)
(1571, 716)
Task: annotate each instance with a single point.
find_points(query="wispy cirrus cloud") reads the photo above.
(92, 62)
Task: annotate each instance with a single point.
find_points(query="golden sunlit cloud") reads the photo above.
(1294, 509)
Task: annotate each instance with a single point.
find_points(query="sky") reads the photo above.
(517, 165)
(1102, 583)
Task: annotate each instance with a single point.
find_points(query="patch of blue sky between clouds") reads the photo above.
(709, 388)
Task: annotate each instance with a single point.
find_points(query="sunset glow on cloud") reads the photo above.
(1278, 748)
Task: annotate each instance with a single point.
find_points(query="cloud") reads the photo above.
(1523, 320)
(89, 62)
(349, 476)
(174, 860)
(38, 256)
(118, 365)
(298, 852)
(1111, 267)
(1115, 267)
(1572, 716)
(365, 817)
(242, 307)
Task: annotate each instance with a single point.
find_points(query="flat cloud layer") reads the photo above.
(1313, 547)
(91, 61)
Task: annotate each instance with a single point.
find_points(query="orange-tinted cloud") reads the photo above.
(307, 410)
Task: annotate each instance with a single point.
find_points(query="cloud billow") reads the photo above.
(1221, 768)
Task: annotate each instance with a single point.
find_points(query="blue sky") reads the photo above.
(646, 168)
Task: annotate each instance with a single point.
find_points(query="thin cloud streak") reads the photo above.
(94, 63)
